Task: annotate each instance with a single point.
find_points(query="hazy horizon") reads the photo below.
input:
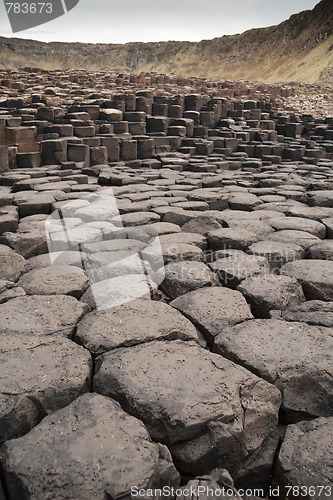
(104, 21)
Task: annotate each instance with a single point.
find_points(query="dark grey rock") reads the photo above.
(133, 323)
(38, 377)
(220, 239)
(322, 250)
(213, 309)
(277, 253)
(269, 292)
(290, 355)
(186, 276)
(91, 449)
(41, 315)
(313, 312)
(303, 239)
(208, 410)
(12, 265)
(315, 276)
(55, 280)
(298, 224)
(305, 459)
(233, 270)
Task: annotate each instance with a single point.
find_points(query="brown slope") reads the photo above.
(299, 49)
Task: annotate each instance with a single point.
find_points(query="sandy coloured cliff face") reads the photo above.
(299, 49)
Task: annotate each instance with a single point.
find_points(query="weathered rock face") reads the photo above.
(231, 238)
(298, 224)
(250, 47)
(38, 377)
(57, 280)
(12, 265)
(175, 211)
(234, 269)
(322, 250)
(266, 293)
(304, 459)
(41, 315)
(28, 241)
(136, 322)
(316, 279)
(291, 356)
(277, 253)
(209, 411)
(213, 309)
(98, 451)
(183, 277)
(313, 312)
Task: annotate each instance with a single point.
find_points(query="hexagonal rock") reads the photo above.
(139, 218)
(315, 276)
(322, 198)
(115, 245)
(32, 203)
(47, 375)
(26, 242)
(98, 451)
(243, 201)
(299, 224)
(212, 310)
(322, 250)
(231, 238)
(305, 459)
(101, 266)
(12, 265)
(201, 225)
(62, 259)
(73, 238)
(162, 228)
(133, 323)
(186, 276)
(209, 411)
(290, 355)
(8, 222)
(41, 315)
(257, 227)
(173, 252)
(56, 280)
(271, 291)
(301, 238)
(277, 253)
(185, 238)
(313, 312)
(233, 270)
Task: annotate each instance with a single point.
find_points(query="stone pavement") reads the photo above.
(179, 333)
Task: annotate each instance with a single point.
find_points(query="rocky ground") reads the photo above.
(166, 279)
(315, 99)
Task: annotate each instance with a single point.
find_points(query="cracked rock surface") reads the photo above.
(215, 400)
(120, 454)
(165, 287)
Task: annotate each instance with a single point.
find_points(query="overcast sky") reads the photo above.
(118, 21)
